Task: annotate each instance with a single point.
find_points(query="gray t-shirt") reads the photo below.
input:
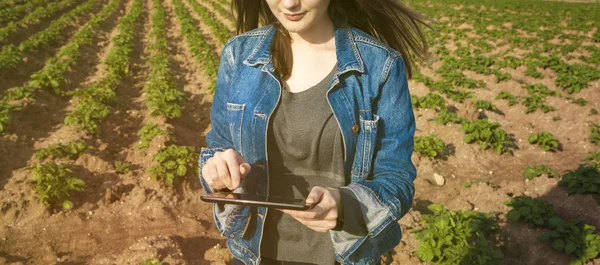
(305, 149)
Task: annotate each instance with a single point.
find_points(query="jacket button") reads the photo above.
(355, 128)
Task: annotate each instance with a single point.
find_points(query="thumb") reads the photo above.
(244, 169)
(315, 195)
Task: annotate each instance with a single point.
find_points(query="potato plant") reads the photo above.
(173, 162)
(536, 212)
(488, 135)
(54, 184)
(70, 150)
(584, 180)
(531, 172)
(544, 139)
(455, 237)
(430, 146)
(573, 238)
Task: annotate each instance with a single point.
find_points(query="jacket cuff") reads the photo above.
(353, 221)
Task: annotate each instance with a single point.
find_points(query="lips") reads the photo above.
(295, 17)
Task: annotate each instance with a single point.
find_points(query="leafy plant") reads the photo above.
(485, 105)
(445, 116)
(545, 139)
(531, 172)
(584, 180)
(172, 162)
(574, 238)
(578, 101)
(430, 146)
(151, 262)
(70, 150)
(455, 237)
(594, 133)
(556, 118)
(535, 102)
(147, 133)
(536, 212)
(512, 100)
(593, 112)
(593, 157)
(488, 135)
(122, 167)
(54, 183)
(430, 101)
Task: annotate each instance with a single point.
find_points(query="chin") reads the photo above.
(295, 27)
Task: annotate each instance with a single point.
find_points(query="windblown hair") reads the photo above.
(390, 21)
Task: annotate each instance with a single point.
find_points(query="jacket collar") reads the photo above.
(347, 53)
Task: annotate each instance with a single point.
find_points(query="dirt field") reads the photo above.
(126, 218)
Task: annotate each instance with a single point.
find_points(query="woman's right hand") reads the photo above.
(225, 170)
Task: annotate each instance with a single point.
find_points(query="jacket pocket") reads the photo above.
(367, 137)
(235, 116)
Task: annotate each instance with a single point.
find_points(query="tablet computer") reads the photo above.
(257, 200)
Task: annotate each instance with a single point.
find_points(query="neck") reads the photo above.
(319, 35)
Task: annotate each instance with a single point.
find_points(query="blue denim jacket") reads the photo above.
(370, 100)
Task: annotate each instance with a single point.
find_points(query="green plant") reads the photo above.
(574, 238)
(535, 102)
(578, 101)
(54, 183)
(172, 162)
(536, 212)
(430, 146)
(593, 158)
(151, 262)
(488, 135)
(70, 150)
(556, 118)
(531, 172)
(593, 112)
(584, 180)
(455, 237)
(545, 139)
(512, 100)
(445, 116)
(122, 167)
(147, 133)
(430, 101)
(485, 105)
(594, 133)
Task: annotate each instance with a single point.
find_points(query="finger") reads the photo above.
(315, 195)
(223, 173)
(311, 214)
(213, 177)
(244, 169)
(234, 169)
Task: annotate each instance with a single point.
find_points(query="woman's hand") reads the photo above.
(322, 217)
(225, 170)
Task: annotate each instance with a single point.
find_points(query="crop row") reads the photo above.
(55, 182)
(32, 18)
(11, 56)
(162, 97)
(9, 13)
(91, 102)
(218, 29)
(220, 9)
(199, 47)
(52, 76)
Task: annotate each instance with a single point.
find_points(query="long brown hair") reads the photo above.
(390, 21)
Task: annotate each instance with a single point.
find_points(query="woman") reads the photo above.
(313, 105)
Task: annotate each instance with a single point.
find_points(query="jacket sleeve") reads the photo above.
(387, 194)
(218, 137)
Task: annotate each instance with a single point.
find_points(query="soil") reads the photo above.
(126, 218)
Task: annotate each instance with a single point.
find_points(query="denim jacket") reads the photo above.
(370, 100)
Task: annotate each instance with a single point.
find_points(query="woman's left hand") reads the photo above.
(322, 217)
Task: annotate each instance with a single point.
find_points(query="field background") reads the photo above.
(99, 71)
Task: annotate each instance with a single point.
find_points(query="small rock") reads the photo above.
(439, 179)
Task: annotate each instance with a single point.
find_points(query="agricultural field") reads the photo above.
(104, 105)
